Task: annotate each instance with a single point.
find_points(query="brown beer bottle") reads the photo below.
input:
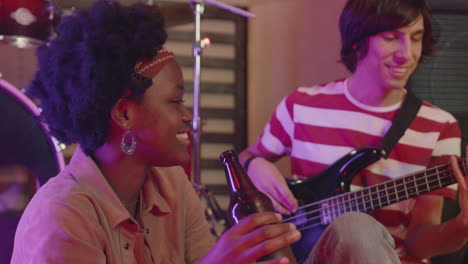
(246, 199)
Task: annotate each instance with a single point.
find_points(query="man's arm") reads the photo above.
(427, 236)
(268, 179)
(250, 151)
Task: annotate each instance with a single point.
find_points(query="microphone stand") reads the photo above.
(198, 46)
(213, 211)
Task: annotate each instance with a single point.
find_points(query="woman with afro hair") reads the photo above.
(107, 83)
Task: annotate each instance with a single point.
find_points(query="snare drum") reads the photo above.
(24, 140)
(26, 23)
(28, 158)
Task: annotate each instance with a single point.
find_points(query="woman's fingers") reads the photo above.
(270, 232)
(254, 221)
(259, 235)
(269, 246)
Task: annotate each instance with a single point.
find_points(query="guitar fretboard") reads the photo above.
(389, 192)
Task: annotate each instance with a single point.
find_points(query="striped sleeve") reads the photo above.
(276, 138)
(449, 141)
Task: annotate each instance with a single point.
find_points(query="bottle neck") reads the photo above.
(237, 178)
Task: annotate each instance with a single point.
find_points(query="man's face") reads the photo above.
(394, 55)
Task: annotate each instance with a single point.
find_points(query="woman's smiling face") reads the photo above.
(162, 123)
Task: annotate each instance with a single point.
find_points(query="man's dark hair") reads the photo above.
(89, 66)
(362, 19)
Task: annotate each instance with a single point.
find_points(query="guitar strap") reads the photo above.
(400, 123)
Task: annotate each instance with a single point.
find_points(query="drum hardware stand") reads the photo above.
(214, 213)
(52, 13)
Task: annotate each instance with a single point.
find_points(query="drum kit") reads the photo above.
(30, 156)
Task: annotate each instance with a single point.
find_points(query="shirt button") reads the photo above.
(147, 230)
(126, 246)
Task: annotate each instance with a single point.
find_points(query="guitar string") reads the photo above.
(359, 203)
(377, 191)
(360, 199)
(370, 193)
(338, 213)
(389, 190)
(439, 172)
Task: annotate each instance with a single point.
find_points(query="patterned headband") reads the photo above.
(151, 67)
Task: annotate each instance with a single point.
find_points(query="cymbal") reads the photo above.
(174, 13)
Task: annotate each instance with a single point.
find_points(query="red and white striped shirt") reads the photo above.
(316, 126)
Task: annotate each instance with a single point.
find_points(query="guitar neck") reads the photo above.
(389, 192)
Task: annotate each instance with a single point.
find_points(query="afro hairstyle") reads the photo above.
(89, 65)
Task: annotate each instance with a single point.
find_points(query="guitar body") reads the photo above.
(333, 181)
(326, 196)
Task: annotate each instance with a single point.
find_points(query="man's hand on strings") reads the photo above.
(269, 180)
(462, 179)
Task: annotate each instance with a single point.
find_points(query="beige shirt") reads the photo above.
(76, 217)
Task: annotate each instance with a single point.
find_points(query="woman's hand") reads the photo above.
(254, 237)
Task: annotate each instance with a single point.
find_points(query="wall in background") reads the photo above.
(290, 43)
(443, 79)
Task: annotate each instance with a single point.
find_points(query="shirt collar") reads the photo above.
(88, 174)
(153, 201)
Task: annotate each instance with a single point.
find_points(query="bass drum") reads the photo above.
(28, 158)
(26, 23)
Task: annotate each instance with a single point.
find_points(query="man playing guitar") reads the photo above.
(383, 41)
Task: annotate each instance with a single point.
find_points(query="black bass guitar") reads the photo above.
(327, 196)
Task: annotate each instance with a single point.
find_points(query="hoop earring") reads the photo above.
(127, 138)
